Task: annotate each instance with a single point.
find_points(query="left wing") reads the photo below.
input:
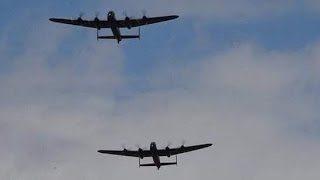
(144, 21)
(139, 153)
(180, 150)
(85, 23)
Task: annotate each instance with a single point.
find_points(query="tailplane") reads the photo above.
(106, 37)
(130, 37)
(122, 37)
(162, 164)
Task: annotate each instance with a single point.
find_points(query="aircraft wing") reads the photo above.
(180, 150)
(141, 153)
(144, 21)
(84, 23)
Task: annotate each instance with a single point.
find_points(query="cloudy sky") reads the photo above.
(241, 74)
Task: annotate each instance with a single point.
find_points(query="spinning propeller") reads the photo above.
(144, 12)
(127, 18)
(97, 16)
(124, 147)
(80, 16)
(183, 143)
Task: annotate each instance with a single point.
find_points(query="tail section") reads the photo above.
(131, 37)
(122, 37)
(161, 164)
(106, 37)
(168, 163)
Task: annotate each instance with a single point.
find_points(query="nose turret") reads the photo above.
(110, 14)
(153, 145)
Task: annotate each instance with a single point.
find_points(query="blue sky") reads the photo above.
(241, 74)
(285, 32)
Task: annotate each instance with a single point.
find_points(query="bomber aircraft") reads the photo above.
(156, 153)
(115, 24)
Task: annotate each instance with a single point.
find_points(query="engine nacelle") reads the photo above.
(140, 153)
(97, 20)
(144, 19)
(168, 151)
(128, 22)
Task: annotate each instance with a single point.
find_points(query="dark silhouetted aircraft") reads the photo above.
(115, 24)
(156, 153)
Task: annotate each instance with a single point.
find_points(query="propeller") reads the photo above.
(80, 16)
(139, 147)
(140, 150)
(168, 148)
(144, 17)
(168, 145)
(127, 18)
(96, 19)
(144, 12)
(125, 14)
(183, 143)
(97, 16)
(124, 147)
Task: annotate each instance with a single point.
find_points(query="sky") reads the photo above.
(241, 74)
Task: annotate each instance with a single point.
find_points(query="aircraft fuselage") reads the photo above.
(155, 155)
(114, 28)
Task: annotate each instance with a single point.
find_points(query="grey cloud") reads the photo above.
(224, 102)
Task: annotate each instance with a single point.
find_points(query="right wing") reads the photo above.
(144, 21)
(182, 149)
(141, 153)
(84, 23)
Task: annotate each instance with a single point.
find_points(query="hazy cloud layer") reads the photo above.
(258, 107)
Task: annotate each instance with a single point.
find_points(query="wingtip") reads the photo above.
(209, 144)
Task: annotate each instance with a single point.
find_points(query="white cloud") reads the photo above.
(242, 100)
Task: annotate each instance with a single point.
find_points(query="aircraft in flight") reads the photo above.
(115, 24)
(155, 153)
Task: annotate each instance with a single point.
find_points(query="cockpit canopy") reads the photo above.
(111, 14)
(153, 144)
